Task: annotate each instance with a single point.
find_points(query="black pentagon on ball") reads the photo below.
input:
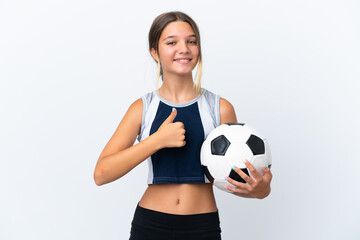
(236, 177)
(256, 145)
(219, 145)
(230, 124)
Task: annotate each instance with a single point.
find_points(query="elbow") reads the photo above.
(98, 182)
(104, 175)
(99, 177)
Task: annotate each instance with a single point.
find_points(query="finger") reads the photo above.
(243, 175)
(180, 125)
(265, 168)
(253, 171)
(171, 117)
(237, 184)
(183, 137)
(236, 190)
(267, 174)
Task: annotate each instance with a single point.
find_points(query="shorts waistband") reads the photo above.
(176, 221)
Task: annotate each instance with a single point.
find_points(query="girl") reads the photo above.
(171, 124)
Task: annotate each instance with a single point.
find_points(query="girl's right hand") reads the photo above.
(170, 133)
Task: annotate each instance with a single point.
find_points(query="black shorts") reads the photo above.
(152, 225)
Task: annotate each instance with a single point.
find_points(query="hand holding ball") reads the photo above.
(229, 145)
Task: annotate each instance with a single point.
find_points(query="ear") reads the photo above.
(154, 54)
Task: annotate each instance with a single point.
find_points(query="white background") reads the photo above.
(70, 69)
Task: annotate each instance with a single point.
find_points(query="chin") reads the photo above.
(184, 71)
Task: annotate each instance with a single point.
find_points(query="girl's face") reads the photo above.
(178, 50)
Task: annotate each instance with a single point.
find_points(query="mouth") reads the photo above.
(182, 60)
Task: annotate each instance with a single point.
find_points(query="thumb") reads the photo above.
(171, 117)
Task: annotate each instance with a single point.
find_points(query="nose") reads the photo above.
(183, 47)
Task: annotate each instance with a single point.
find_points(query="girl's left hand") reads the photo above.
(256, 186)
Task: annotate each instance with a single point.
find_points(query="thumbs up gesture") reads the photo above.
(171, 134)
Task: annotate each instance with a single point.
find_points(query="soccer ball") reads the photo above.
(229, 145)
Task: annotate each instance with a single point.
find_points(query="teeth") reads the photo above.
(183, 60)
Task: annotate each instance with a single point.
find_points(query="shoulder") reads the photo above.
(134, 112)
(227, 112)
(139, 107)
(225, 105)
(223, 108)
(136, 106)
(210, 97)
(141, 103)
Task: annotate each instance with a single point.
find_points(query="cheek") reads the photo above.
(167, 54)
(195, 51)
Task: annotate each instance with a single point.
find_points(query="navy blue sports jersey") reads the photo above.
(199, 116)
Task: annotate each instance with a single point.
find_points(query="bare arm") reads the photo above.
(227, 112)
(117, 158)
(120, 155)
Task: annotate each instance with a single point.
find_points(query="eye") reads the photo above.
(170, 43)
(192, 42)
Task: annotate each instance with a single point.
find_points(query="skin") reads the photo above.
(119, 156)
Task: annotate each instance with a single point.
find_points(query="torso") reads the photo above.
(181, 189)
(179, 198)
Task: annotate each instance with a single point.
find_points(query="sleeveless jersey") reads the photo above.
(199, 116)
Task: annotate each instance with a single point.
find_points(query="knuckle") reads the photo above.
(245, 176)
(246, 192)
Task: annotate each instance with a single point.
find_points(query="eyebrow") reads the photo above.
(171, 36)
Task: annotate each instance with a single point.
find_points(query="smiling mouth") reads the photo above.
(183, 60)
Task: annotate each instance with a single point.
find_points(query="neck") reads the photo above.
(178, 89)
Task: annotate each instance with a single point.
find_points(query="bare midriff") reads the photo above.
(180, 199)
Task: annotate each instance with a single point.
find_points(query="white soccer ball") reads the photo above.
(229, 145)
